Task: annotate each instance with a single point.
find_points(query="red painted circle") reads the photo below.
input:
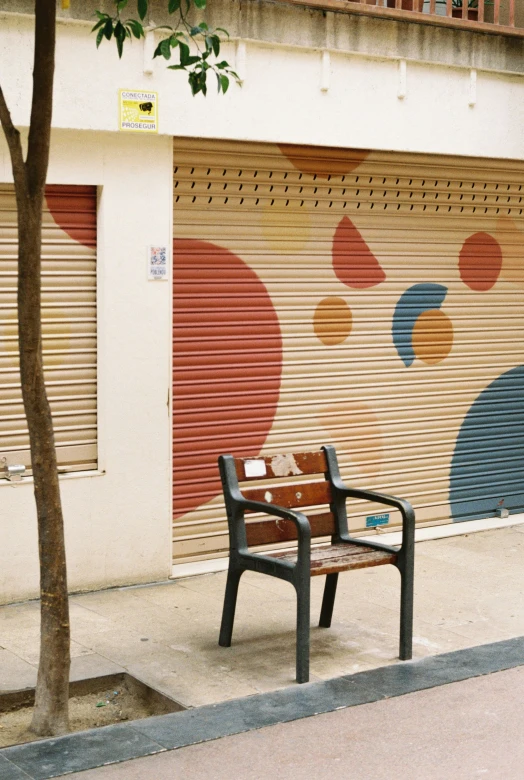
(73, 208)
(480, 261)
(227, 350)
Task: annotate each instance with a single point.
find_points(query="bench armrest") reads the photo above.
(300, 521)
(380, 498)
(405, 508)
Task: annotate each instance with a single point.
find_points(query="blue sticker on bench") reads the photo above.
(373, 520)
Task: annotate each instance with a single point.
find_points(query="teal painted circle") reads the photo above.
(487, 469)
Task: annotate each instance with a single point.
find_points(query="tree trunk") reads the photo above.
(50, 715)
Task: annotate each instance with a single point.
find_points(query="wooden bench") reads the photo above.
(283, 524)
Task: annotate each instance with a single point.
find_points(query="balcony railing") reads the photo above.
(495, 16)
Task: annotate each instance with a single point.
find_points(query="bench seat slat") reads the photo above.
(340, 557)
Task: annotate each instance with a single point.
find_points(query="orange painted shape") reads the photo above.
(480, 261)
(73, 208)
(227, 365)
(323, 161)
(332, 321)
(432, 336)
(353, 261)
(355, 428)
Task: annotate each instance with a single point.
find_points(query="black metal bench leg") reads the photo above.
(303, 621)
(230, 602)
(328, 601)
(406, 612)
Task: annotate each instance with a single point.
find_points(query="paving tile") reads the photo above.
(161, 623)
(54, 757)
(28, 649)
(15, 673)
(9, 771)
(191, 681)
(172, 594)
(93, 665)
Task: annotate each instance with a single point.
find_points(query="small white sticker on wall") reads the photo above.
(255, 468)
(157, 263)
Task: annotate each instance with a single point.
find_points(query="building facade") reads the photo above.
(347, 232)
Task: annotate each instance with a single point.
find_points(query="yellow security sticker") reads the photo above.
(138, 111)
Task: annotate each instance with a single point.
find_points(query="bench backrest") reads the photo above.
(276, 472)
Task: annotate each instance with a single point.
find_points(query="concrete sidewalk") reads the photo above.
(468, 592)
(465, 730)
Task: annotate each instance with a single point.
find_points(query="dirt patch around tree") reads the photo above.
(96, 702)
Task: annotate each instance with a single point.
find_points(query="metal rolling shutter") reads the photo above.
(398, 284)
(69, 327)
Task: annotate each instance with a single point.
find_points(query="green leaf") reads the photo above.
(184, 53)
(108, 29)
(165, 48)
(121, 4)
(99, 38)
(173, 6)
(216, 45)
(136, 28)
(200, 3)
(224, 82)
(120, 35)
(142, 8)
(98, 25)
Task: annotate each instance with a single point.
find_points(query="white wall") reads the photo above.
(281, 99)
(118, 523)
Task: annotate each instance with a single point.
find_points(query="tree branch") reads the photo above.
(13, 139)
(42, 102)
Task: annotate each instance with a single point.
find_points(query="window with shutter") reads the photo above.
(68, 327)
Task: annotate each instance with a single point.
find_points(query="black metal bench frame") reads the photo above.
(299, 572)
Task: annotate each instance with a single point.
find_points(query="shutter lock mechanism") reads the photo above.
(14, 473)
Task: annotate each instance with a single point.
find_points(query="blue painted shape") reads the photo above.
(487, 469)
(373, 520)
(414, 302)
